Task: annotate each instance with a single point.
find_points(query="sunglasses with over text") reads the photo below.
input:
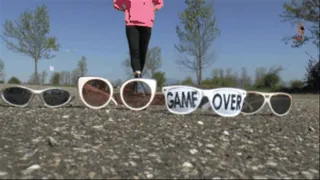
(21, 96)
(226, 102)
(136, 94)
(279, 103)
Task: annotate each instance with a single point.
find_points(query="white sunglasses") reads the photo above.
(226, 102)
(279, 103)
(21, 96)
(104, 92)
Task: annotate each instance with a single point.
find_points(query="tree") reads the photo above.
(82, 66)
(29, 36)
(43, 77)
(2, 78)
(305, 11)
(188, 81)
(160, 77)
(74, 76)
(153, 63)
(14, 80)
(153, 60)
(199, 30)
(55, 79)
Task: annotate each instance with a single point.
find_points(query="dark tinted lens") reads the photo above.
(17, 95)
(280, 103)
(137, 94)
(55, 97)
(252, 102)
(96, 92)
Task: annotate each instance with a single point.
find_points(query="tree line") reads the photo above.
(196, 32)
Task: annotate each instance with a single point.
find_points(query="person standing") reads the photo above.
(139, 19)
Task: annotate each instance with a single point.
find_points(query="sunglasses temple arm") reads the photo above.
(114, 101)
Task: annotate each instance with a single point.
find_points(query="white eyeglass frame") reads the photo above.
(209, 93)
(35, 92)
(150, 82)
(267, 97)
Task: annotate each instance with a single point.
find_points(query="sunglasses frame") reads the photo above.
(267, 97)
(203, 93)
(150, 82)
(35, 92)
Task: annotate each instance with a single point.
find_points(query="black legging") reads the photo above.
(138, 40)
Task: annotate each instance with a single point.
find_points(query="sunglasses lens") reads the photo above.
(16, 95)
(96, 93)
(136, 94)
(280, 103)
(55, 97)
(182, 99)
(227, 101)
(252, 102)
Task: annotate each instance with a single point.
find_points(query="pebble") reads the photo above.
(3, 173)
(30, 169)
(209, 145)
(193, 151)
(52, 141)
(226, 133)
(187, 165)
(110, 119)
(311, 129)
(91, 175)
(149, 176)
(98, 127)
(271, 164)
(200, 122)
(307, 175)
(65, 116)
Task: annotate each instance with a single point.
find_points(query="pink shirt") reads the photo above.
(138, 12)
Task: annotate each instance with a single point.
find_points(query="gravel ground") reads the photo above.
(76, 142)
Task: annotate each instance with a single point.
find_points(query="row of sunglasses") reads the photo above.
(138, 94)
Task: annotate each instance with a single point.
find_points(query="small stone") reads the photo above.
(314, 171)
(104, 170)
(187, 165)
(209, 145)
(311, 129)
(193, 151)
(65, 116)
(132, 163)
(149, 176)
(239, 153)
(307, 174)
(52, 141)
(107, 111)
(200, 122)
(226, 133)
(30, 169)
(3, 173)
(271, 164)
(91, 175)
(98, 127)
(110, 119)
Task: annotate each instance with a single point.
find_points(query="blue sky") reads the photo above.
(251, 33)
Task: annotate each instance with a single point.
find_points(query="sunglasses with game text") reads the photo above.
(226, 102)
(136, 94)
(279, 103)
(21, 96)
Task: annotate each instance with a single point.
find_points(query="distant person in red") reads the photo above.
(300, 31)
(139, 18)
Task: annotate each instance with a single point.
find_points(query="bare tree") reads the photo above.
(2, 74)
(43, 77)
(198, 33)
(82, 66)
